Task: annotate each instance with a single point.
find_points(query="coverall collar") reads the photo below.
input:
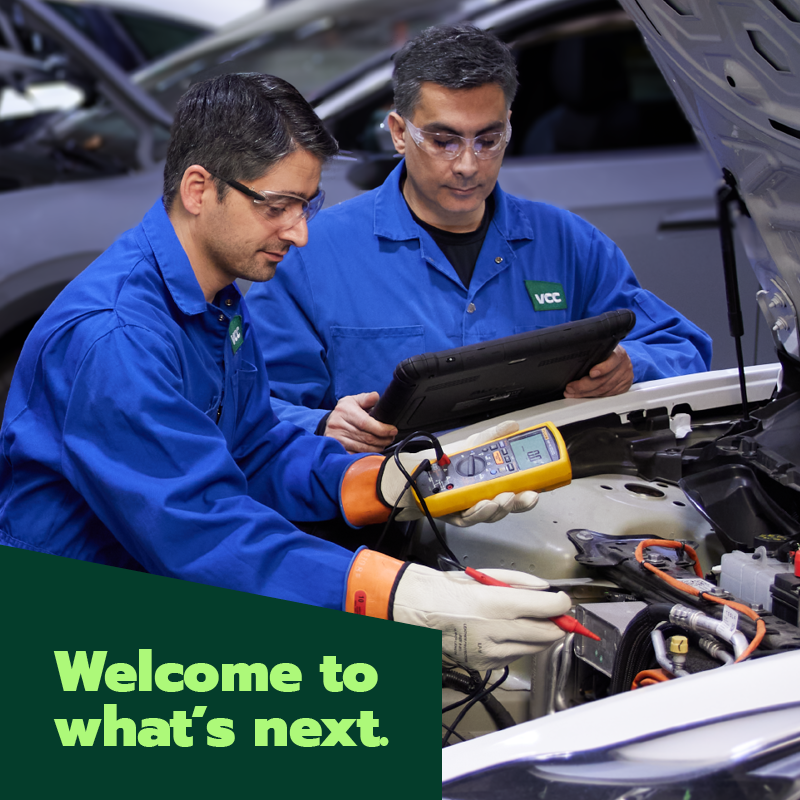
(393, 218)
(173, 261)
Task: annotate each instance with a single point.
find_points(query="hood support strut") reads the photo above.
(727, 194)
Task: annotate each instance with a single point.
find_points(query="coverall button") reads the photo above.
(229, 302)
(471, 308)
(498, 260)
(222, 318)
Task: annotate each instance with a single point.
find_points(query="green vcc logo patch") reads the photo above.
(235, 333)
(546, 296)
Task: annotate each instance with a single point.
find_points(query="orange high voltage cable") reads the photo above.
(761, 626)
(649, 677)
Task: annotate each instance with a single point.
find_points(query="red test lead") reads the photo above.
(564, 621)
(481, 577)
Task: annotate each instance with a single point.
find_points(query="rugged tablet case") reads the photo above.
(450, 388)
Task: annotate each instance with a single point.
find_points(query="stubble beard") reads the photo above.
(253, 267)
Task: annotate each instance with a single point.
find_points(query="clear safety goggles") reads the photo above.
(282, 210)
(450, 146)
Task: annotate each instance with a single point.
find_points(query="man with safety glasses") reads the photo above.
(138, 431)
(439, 256)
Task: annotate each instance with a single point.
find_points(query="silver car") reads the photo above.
(595, 130)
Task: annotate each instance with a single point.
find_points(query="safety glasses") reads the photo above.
(282, 210)
(449, 145)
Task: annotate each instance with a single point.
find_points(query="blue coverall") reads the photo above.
(371, 289)
(138, 433)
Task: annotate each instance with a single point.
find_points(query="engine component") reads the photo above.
(701, 623)
(740, 511)
(786, 598)
(537, 543)
(609, 621)
(615, 559)
(749, 576)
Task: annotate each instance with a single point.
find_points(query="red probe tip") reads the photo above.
(571, 625)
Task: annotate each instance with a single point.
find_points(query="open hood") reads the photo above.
(735, 70)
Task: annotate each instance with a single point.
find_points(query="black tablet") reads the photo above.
(456, 387)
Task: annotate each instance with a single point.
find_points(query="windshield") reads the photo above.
(309, 55)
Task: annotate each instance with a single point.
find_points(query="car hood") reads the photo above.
(735, 70)
(672, 706)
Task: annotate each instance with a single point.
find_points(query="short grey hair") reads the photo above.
(455, 57)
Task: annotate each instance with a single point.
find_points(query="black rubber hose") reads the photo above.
(494, 708)
(498, 712)
(635, 652)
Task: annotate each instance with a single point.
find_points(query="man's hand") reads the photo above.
(352, 426)
(609, 377)
(483, 627)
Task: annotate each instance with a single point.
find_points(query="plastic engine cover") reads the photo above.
(536, 542)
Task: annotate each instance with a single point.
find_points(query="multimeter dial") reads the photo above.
(470, 466)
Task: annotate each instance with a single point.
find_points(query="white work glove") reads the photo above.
(483, 627)
(504, 428)
(392, 485)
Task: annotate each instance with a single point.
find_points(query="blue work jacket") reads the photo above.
(138, 433)
(371, 288)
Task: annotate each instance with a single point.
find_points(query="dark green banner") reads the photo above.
(117, 684)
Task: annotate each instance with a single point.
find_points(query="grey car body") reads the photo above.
(629, 165)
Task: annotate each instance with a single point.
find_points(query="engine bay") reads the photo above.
(675, 541)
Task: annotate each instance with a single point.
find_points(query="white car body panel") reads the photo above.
(624, 717)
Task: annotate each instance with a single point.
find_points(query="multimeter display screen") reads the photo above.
(533, 449)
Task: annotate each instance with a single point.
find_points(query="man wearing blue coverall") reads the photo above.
(138, 431)
(439, 256)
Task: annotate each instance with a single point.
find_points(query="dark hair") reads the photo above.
(237, 126)
(455, 57)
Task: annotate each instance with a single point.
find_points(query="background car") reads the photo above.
(131, 32)
(136, 32)
(38, 78)
(132, 37)
(207, 14)
(627, 162)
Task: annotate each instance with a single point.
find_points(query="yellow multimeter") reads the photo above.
(535, 458)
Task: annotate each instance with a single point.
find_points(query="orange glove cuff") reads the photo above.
(371, 583)
(360, 501)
